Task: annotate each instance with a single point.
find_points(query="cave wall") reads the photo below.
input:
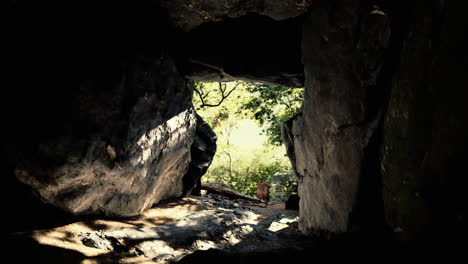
(190, 15)
(249, 48)
(413, 103)
(343, 46)
(423, 160)
(125, 146)
(100, 118)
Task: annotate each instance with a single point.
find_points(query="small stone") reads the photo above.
(204, 245)
(238, 211)
(95, 240)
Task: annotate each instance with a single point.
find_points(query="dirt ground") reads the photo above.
(219, 230)
(62, 244)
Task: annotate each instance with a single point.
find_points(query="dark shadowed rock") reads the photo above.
(425, 138)
(97, 116)
(343, 47)
(100, 119)
(189, 15)
(202, 151)
(125, 146)
(293, 202)
(250, 48)
(288, 139)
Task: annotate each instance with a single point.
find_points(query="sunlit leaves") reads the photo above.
(269, 105)
(240, 167)
(273, 105)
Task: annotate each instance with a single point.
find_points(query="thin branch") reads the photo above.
(288, 105)
(200, 95)
(206, 95)
(222, 89)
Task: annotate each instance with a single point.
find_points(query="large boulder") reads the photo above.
(343, 46)
(125, 146)
(103, 121)
(100, 118)
(202, 152)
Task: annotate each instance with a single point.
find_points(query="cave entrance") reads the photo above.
(247, 118)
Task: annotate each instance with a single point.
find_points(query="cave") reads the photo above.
(98, 116)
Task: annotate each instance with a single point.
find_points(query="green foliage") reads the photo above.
(273, 105)
(248, 168)
(215, 116)
(269, 105)
(242, 158)
(283, 183)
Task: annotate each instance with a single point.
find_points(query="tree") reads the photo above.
(273, 105)
(210, 100)
(240, 167)
(203, 92)
(270, 105)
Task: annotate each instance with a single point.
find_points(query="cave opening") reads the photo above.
(81, 107)
(247, 118)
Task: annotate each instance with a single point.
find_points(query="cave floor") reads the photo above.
(168, 232)
(206, 229)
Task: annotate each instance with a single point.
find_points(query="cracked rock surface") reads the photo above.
(125, 149)
(326, 142)
(222, 224)
(169, 232)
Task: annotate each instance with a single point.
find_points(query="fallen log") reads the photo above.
(226, 192)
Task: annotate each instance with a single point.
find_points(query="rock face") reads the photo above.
(343, 47)
(98, 116)
(211, 224)
(288, 139)
(250, 48)
(127, 147)
(188, 16)
(101, 117)
(293, 202)
(202, 152)
(214, 227)
(424, 160)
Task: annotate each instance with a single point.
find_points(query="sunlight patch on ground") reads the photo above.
(67, 236)
(164, 233)
(283, 223)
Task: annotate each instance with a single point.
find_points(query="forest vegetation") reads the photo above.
(247, 118)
